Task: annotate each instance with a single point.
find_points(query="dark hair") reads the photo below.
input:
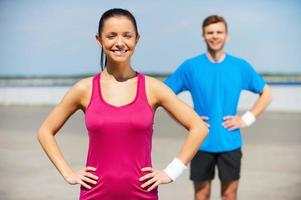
(214, 19)
(115, 12)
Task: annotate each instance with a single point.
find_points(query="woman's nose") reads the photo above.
(119, 41)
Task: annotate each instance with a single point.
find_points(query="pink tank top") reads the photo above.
(120, 143)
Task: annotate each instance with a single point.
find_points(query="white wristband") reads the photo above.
(248, 118)
(175, 169)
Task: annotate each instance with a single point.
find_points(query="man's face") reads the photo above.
(215, 36)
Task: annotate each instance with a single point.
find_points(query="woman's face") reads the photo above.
(118, 39)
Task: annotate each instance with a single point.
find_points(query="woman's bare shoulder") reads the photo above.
(81, 91)
(153, 82)
(84, 85)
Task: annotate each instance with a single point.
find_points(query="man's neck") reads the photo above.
(216, 56)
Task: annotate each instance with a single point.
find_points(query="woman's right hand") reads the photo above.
(83, 177)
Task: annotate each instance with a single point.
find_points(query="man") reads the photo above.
(215, 80)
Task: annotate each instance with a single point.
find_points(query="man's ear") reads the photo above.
(227, 37)
(202, 36)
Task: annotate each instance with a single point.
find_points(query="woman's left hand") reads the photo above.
(154, 178)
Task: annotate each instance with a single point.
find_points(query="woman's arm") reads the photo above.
(161, 95)
(73, 100)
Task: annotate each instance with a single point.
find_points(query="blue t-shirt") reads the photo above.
(215, 89)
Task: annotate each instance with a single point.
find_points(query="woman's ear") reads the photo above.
(98, 40)
(137, 39)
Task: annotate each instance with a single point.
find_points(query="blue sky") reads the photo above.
(58, 37)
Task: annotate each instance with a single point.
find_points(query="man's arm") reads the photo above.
(264, 99)
(235, 122)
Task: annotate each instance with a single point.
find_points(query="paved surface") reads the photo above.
(271, 162)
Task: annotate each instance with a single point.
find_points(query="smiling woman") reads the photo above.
(118, 39)
(119, 105)
(121, 28)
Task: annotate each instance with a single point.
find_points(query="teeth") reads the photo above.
(120, 52)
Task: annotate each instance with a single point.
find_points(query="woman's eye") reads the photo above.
(110, 36)
(128, 36)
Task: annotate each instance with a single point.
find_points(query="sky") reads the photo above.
(40, 38)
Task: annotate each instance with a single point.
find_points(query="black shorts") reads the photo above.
(202, 166)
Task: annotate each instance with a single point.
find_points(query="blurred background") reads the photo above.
(46, 46)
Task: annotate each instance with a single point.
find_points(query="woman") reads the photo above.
(119, 106)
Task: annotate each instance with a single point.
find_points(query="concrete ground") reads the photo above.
(271, 166)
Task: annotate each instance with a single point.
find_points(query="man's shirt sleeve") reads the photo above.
(252, 80)
(177, 81)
